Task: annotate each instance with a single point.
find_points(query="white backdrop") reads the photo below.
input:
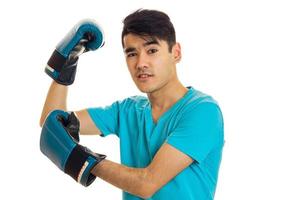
(243, 53)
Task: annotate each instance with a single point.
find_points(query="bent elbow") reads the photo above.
(41, 122)
(148, 187)
(147, 193)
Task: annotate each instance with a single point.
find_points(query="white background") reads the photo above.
(243, 53)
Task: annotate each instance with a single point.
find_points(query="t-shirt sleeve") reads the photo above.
(199, 131)
(106, 118)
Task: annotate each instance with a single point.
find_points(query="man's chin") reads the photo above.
(146, 89)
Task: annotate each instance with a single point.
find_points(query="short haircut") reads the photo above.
(150, 23)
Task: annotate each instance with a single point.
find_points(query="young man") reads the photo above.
(170, 141)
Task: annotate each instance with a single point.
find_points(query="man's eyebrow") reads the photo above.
(129, 49)
(150, 42)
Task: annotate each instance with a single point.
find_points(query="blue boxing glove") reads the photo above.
(85, 36)
(59, 142)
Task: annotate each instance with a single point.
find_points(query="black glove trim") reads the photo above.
(77, 159)
(56, 61)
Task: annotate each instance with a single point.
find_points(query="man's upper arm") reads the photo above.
(167, 163)
(87, 125)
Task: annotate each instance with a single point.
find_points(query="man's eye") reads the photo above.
(131, 55)
(151, 51)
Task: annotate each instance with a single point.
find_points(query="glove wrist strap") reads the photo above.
(79, 160)
(56, 61)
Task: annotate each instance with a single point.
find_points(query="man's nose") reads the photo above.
(142, 61)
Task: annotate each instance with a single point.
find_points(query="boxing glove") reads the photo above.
(59, 142)
(86, 35)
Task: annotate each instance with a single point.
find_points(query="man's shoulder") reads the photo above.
(134, 102)
(198, 98)
(200, 102)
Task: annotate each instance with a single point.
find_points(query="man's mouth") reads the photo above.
(144, 75)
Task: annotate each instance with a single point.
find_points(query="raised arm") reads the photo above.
(61, 67)
(56, 99)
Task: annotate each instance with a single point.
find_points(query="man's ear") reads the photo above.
(176, 52)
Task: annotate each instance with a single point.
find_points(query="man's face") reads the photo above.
(150, 63)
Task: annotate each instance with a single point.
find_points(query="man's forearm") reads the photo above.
(56, 99)
(132, 180)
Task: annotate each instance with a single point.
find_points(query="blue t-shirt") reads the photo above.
(193, 125)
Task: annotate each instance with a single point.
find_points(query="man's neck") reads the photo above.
(165, 97)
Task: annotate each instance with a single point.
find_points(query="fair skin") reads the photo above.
(153, 70)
